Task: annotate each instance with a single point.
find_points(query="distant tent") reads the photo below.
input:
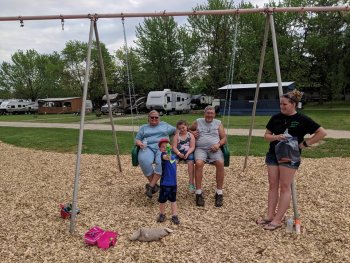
(242, 98)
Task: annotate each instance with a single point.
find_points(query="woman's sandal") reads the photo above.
(272, 227)
(263, 221)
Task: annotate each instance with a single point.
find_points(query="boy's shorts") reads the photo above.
(167, 193)
(272, 160)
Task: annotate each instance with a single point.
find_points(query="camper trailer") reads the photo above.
(63, 105)
(120, 103)
(17, 106)
(3, 106)
(32, 107)
(168, 101)
(200, 101)
(138, 106)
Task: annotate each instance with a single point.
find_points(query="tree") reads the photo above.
(161, 56)
(31, 75)
(214, 34)
(74, 55)
(137, 76)
(324, 45)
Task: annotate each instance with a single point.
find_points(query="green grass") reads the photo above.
(101, 142)
(345, 105)
(47, 118)
(331, 115)
(333, 119)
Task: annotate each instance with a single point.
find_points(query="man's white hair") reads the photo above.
(209, 107)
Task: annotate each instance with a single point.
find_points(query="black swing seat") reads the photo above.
(135, 152)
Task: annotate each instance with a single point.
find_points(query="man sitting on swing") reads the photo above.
(147, 139)
(210, 136)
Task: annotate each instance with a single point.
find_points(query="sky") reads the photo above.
(46, 36)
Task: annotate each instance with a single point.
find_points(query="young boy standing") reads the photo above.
(168, 184)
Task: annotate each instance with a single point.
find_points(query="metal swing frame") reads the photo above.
(94, 17)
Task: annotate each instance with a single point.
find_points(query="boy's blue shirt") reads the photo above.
(168, 177)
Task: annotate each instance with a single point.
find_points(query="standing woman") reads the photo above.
(281, 174)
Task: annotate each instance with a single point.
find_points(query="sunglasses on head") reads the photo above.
(154, 117)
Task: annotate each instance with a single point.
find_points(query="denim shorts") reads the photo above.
(167, 193)
(150, 161)
(272, 160)
(189, 158)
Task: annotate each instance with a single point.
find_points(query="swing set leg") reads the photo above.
(295, 208)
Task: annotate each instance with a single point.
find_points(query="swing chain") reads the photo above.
(21, 23)
(62, 22)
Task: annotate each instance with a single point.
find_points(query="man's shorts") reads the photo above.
(271, 159)
(208, 156)
(167, 193)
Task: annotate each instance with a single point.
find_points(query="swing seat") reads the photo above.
(134, 155)
(135, 152)
(226, 153)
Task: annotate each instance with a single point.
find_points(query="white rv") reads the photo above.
(32, 107)
(168, 101)
(3, 106)
(18, 106)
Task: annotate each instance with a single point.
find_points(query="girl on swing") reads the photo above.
(183, 147)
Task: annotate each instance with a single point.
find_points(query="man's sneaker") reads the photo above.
(149, 190)
(219, 200)
(175, 220)
(191, 188)
(161, 218)
(199, 200)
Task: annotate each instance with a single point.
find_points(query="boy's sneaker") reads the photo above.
(199, 200)
(219, 200)
(161, 218)
(191, 188)
(175, 220)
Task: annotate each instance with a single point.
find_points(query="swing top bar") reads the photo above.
(265, 10)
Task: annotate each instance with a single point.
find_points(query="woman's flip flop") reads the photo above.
(262, 221)
(272, 227)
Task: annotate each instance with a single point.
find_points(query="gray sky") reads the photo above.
(46, 36)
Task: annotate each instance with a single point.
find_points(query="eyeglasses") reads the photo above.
(154, 117)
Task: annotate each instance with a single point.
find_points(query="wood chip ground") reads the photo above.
(34, 183)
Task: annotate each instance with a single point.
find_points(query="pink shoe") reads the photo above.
(107, 240)
(93, 235)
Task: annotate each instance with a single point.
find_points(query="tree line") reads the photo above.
(197, 57)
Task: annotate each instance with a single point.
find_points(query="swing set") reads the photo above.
(269, 24)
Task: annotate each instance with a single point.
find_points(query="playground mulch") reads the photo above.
(35, 183)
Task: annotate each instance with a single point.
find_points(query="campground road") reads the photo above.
(336, 134)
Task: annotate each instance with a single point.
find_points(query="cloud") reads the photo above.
(47, 36)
